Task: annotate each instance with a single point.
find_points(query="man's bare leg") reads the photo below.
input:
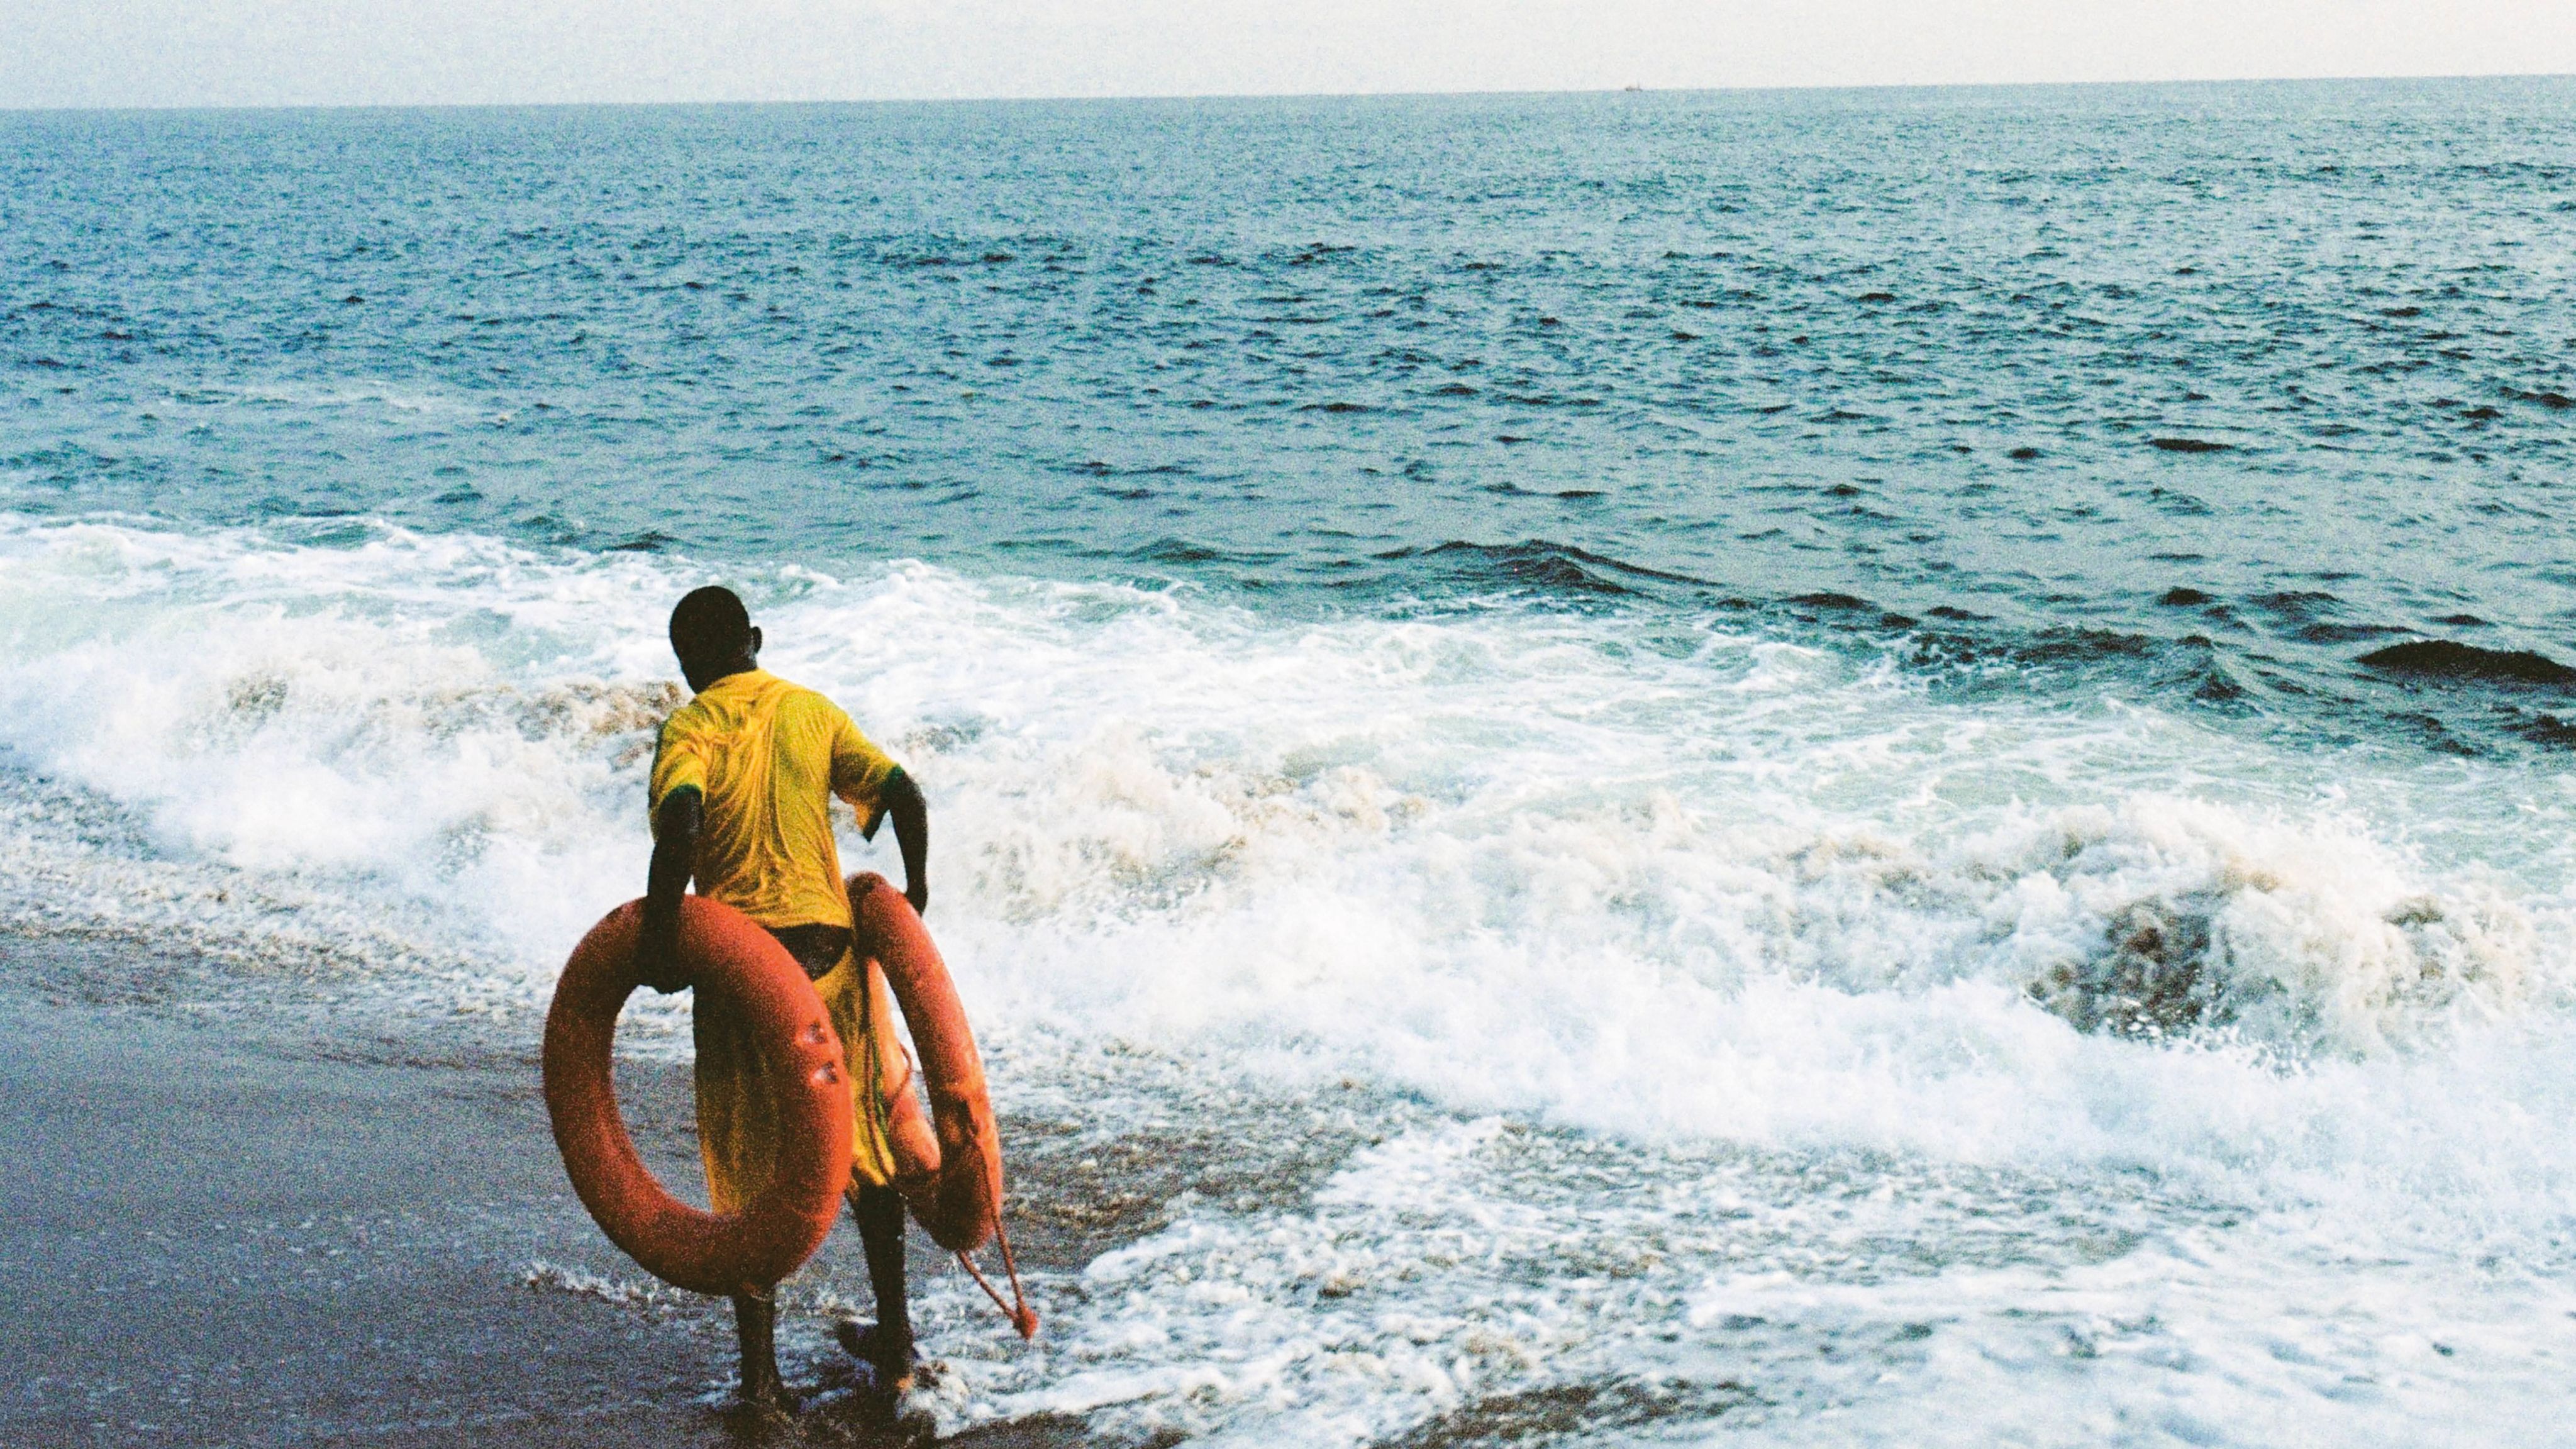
(755, 1324)
(888, 1346)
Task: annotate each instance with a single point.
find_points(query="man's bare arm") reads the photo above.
(911, 817)
(675, 858)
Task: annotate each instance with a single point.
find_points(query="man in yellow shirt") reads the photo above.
(743, 780)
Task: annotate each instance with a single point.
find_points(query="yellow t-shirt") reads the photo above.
(767, 757)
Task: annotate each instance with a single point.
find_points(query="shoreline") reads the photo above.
(237, 1231)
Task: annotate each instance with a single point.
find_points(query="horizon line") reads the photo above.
(166, 108)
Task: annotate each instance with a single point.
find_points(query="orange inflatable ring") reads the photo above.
(950, 1169)
(723, 952)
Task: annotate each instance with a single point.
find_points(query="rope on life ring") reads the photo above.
(949, 1170)
(725, 953)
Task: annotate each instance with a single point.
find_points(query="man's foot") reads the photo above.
(893, 1378)
(761, 1417)
(915, 1420)
(771, 1396)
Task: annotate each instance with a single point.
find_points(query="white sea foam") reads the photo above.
(1643, 878)
(410, 399)
(1477, 1283)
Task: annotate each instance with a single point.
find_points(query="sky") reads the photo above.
(75, 53)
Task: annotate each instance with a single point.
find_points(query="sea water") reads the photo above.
(1893, 765)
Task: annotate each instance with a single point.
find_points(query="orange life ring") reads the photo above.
(949, 1170)
(724, 952)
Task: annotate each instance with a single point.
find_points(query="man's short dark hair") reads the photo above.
(710, 624)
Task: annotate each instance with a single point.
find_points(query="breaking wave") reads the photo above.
(1796, 923)
(1353, 839)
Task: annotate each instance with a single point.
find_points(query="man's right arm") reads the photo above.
(675, 859)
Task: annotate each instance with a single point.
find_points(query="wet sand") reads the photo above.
(224, 1229)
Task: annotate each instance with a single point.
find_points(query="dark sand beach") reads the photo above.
(224, 1230)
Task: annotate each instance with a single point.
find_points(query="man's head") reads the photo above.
(711, 632)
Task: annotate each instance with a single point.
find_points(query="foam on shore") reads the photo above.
(1637, 875)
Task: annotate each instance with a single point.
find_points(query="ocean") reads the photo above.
(1829, 767)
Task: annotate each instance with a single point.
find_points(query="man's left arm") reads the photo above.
(911, 817)
(880, 790)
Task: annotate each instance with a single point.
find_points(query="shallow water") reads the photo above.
(1755, 909)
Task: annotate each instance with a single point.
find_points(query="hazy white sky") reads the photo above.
(339, 52)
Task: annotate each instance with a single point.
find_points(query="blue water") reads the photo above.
(1869, 767)
(1825, 357)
